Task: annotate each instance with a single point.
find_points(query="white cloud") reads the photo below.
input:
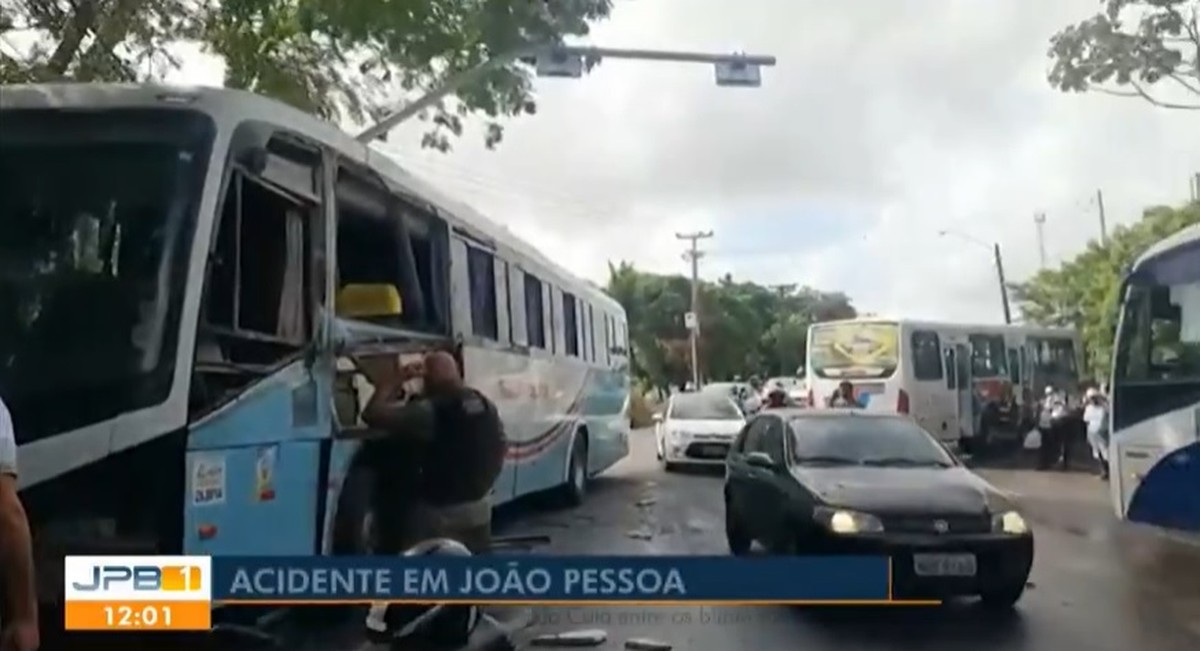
(932, 114)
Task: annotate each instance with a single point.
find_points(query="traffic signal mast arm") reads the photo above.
(732, 70)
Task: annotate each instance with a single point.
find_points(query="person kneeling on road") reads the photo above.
(463, 447)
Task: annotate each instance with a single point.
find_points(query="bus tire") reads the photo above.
(575, 489)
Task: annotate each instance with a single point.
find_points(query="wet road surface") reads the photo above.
(1097, 584)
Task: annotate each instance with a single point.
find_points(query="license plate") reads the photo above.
(944, 564)
(714, 450)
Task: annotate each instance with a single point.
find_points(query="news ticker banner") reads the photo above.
(178, 592)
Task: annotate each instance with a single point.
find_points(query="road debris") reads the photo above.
(646, 644)
(647, 501)
(588, 637)
(641, 534)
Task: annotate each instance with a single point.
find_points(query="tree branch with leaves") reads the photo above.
(1133, 48)
(351, 60)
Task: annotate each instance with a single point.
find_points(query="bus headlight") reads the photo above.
(845, 522)
(1010, 522)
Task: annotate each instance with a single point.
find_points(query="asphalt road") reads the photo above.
(1097, 584)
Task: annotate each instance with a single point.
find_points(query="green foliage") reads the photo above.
(347, 59)
(1129, 46)
(746, 329)
(1084, 292)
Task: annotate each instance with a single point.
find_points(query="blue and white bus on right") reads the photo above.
(1155, 390)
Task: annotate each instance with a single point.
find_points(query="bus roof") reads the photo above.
(992, 328)
(230, 105)
(1185, 236)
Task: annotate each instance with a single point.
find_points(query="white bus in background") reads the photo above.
(1155, 390)
(962, 382)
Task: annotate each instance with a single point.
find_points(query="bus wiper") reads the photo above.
(829, 460)
(905, 461)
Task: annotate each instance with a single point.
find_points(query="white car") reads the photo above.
(697, 428)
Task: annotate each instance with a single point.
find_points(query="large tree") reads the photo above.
(1084, 292)
(347, 59)
(1133, 48)
(747, 328)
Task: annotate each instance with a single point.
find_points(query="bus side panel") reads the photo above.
(1169, 494)
(519, 387)
(606, 398)
(252, 501)
(1156, 470)
(253, 466)
(540, 398)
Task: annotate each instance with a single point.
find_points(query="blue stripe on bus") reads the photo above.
(1169, 495)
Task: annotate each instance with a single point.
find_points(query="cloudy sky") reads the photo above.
(884, 122)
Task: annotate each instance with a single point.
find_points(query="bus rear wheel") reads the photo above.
(575, 489)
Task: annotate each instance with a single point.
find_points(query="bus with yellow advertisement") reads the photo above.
(964, 383)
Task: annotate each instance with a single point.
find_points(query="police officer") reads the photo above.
(461, 443)
(19, 618)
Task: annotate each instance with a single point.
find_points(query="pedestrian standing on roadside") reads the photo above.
(19, 616)
(1095, 414)
(1051, 412)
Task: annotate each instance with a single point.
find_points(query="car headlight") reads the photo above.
(675, 435)
(1009, 522)
(845, 522)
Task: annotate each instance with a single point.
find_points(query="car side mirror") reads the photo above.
(761, 460)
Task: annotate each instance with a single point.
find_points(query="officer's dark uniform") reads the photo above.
(461, 447)
(462, 453)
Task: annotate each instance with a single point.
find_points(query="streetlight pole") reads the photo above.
(732, 70)
(997, 260)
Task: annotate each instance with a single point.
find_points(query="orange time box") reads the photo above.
(138, 616)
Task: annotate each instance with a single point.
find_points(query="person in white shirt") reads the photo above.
(1095, 414)
(19, 620)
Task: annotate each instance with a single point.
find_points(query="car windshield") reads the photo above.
(703, 406)
(96, 214)
(730, 389)
(861, 440)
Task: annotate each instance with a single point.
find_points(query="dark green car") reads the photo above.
(802, 481)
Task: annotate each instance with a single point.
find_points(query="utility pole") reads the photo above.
(1040, 220)
(1103, 223)
(1196, 186)
(1003, 284)
(693, 255)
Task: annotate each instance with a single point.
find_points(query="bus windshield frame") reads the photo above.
(854, 350)
(97, 218)
(1161, 311)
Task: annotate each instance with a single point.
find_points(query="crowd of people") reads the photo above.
(1061, 424)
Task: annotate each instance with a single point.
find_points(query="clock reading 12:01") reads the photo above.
(138, 616)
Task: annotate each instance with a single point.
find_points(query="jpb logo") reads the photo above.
(142, 578)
